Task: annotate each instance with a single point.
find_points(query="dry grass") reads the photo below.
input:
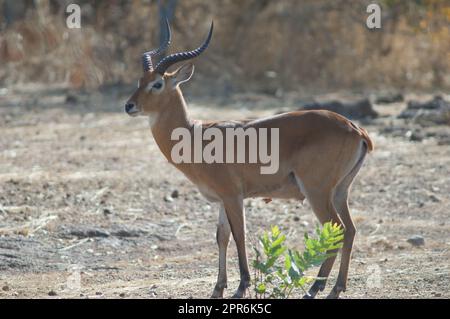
(264, 46)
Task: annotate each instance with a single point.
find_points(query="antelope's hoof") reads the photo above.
(218, 291)
(315, 288)
(239, 295)
(217, 295)
(335, 292)
(241, 292)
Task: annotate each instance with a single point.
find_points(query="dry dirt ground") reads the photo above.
(86, 207)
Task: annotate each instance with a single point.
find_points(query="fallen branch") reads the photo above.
(75, 245)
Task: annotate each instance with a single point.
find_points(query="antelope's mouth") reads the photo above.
(133, 113)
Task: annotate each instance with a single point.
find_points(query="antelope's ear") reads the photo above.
(183, 74)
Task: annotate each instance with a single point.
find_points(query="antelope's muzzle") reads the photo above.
(131, 109)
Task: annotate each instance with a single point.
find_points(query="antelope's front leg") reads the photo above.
(235, 212)
(223, 239)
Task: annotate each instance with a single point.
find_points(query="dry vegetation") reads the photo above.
(265, 46)
(84, 190)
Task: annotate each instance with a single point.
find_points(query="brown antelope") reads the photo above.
(320, 153)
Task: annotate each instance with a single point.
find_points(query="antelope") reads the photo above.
(320, 153)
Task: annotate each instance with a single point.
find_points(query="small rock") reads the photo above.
(168, 199)
(107, 212)
(436, 294)
(122, 295)
(434, 198)
(304, 223)
(175, 194)
(5, 288)
(296, 218)
(416, 240)
(414, 136)
(99, 293)
(52, 293)
(71, 99)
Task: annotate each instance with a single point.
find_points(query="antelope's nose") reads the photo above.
(129, 107)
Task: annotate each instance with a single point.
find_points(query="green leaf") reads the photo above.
(277, 277)
(271, 261)
(275, 232)
(261, 288)
(326, 232)
(277, 251)
(279, 240)
(309, 243)
(287, 260)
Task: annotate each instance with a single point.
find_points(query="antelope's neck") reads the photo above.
(173, 115)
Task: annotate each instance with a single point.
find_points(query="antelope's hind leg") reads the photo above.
(341, 204)
(323, 208)
(349, 235)
(234, 209)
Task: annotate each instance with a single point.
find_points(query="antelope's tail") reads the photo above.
(365, 136)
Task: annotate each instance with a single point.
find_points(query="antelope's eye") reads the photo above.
(157, 85)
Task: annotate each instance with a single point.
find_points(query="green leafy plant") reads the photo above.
(279, 270)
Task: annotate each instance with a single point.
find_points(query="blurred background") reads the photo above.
(84, 186)
(262, 46)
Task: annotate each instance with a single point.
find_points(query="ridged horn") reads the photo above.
(147, 56)
(165, 63)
